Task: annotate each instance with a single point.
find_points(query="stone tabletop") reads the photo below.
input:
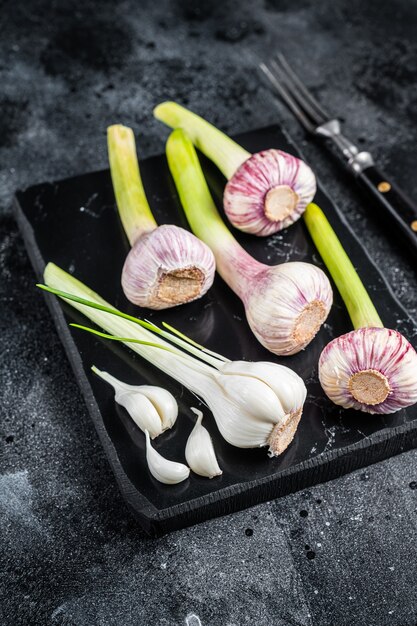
(342, 553)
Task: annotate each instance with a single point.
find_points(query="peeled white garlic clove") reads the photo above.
(268, 192)
(288, 387)
(163, 470)
(164, 402)
(199, 451)
(370, 369)
(151, 408)
(141, 410)
(166, 267)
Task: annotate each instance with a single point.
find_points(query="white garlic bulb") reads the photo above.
(259, 404)
(199, 451)
(286, 305)
(166, 267)
(152, 408)
(370, 369)
(163, 470)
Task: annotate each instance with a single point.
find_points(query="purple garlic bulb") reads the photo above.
(268, 192)
(370, 369)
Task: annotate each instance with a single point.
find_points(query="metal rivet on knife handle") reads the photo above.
(384, 187)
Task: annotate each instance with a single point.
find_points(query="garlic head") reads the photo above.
(268, 192)
(258, 404)
(370, 369)
(287, 306)
(199, 451)
(163, 470)
(167, 267)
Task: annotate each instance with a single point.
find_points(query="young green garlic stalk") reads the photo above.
(199, 451)
(167, 265)
(152, 408)
(372, 368)
(163, 470)
(285, 304)
(266, 191)
(254, 404)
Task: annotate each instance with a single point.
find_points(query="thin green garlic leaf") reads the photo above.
(202, 353)
(194, 343)
(123, 339)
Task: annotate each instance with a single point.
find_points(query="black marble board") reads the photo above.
(74, 223)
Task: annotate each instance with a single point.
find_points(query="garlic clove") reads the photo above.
(164, 402)
(236, 425)
(141, 410)
(284, 382)
(370, 369)
(152, 408)
(287, 306)
(163, 470)
(254, 396)
(167, 267)
(199, 451)
(268, 192)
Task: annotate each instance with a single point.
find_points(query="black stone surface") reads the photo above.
(340, 553)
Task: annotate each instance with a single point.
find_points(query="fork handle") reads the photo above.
(395, 208)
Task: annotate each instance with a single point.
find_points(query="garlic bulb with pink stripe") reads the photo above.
(372, 368)
(167, 265)
(266, 191)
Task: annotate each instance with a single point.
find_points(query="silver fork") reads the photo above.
(391, 201)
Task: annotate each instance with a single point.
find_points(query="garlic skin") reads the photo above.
(268, 192)
(163, 470)
(199, 451)
(370, 369)
(260, 405)
(152, 408)
(166, 267)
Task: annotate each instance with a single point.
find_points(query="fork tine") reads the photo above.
(294, 92)
(290, 102)
(302, 88)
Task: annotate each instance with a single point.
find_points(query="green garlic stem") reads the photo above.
(133, 207)
(360, 307)
(196, 200)
(217, 146)
(233, 263)
(86, 300)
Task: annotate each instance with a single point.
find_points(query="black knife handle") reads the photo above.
(394, 207)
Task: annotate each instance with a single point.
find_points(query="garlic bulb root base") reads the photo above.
(179, 286)
(369, 386)
(283, 433)
(370, 369)
(167, 267)
(308, 323)
(268, 192)
(280, 202)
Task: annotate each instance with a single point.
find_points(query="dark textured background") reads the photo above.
(70, 552)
